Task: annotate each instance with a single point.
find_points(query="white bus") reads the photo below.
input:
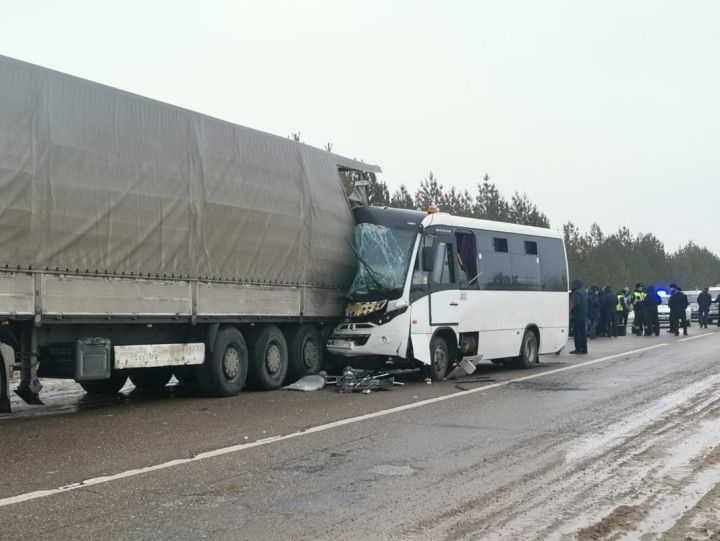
(435, 289)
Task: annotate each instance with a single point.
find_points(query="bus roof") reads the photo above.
(443, 218)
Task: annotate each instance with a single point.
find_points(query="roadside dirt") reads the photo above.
(620, 520)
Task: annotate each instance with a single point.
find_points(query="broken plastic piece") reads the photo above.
(307, 383)
(464, 368)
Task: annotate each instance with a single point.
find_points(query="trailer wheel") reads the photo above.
(528, 351)
(439, 359)
(151, 378)
(305, 355)
(225, 369)
(268, 359)
(109, 386)
(4, 398)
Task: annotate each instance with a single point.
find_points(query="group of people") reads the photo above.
(598, 311)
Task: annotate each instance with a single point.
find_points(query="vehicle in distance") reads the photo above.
(432, 288)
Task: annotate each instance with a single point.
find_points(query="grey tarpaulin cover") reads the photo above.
(96, 179)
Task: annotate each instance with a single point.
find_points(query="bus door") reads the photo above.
(443, 283)
(434, 294)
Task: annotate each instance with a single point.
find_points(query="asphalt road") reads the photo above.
(621, 444)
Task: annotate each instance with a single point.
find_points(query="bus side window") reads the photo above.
(443, 268)
(418, 286)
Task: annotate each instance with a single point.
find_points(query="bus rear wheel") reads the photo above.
(528, 351)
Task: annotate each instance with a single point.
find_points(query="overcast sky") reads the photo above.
(604, 111)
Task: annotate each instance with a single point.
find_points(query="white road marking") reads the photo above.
(320, 428)
(703, 335)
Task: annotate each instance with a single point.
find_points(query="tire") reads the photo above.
(439, 359)
(225, 369)
(305, 352)
(4, 398)
(151, 378)
(528, 351)
(268, 359)
(109, 386)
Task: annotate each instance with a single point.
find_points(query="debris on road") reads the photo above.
(365, 381)
(352, 380)
(463, 368)
(307, 384)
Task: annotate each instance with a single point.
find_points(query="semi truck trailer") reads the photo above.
(141, 240)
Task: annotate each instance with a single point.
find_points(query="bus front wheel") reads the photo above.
(439, 359)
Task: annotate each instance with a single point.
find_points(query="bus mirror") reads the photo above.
(427, 262)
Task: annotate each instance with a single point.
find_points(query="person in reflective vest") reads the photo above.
(621, 310)
(639, 309)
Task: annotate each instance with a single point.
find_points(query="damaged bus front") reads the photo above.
(432, 289)
(377, 318)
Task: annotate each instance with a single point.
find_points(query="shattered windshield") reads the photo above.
(383, 255)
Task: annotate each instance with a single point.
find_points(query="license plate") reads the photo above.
(341, 344)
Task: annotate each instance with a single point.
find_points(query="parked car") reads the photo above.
(713, 313)
(692, 299)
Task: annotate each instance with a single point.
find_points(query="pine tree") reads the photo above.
(429, 193)
(401, 199)
(489, 202)
(523, 211)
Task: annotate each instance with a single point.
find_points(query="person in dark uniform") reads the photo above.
(678, 302)
(578, 316)
(704, 301)
(650, 308)
(607, 305)
(593, 311)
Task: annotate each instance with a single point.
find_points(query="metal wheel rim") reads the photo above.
(439, 359)
(231, 362)
(309, 354)
(530, 349)
(272, 358)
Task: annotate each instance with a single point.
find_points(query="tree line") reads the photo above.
(617, 259)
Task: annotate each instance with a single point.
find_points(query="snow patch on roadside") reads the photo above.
(634, 424)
